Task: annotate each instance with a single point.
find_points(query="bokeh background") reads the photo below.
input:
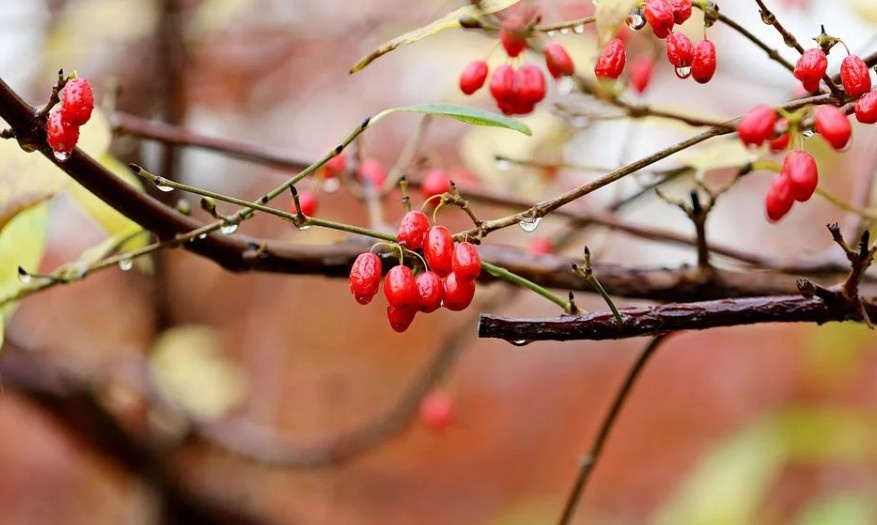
(764, 424)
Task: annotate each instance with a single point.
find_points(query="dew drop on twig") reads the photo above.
(228, 229)
(683, 72)
(126, 264)
(160, 183)
(61, 156)
(529, 224)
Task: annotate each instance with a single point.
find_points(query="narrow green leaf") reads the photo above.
(469, 115)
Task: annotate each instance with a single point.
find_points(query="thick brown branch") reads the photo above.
(667, 318)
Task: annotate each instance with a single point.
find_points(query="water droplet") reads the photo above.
(202, 236)
(228, 228)
(636, 20)
(578, 29)
(580, 121)
(304, 227)
(521, 342)
(160, 183)
(564, 30)
(683, 72)
(550, 33)
(503, 164)
(23, 276)
(331, 185)
(61, 156)
(565, 85)
(807, 133)
(529, 224)
(126, 264)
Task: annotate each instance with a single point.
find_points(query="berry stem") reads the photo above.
(502, 273)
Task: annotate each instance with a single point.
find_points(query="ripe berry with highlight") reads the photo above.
(610, 64)
(60, 133)
(400, 318)
(779, 198)
(866, 108)
(799, 168)
(703, 65)
(810, 68)
(458, 292)
(680, 52)
(855, 76)
(681, 10)
(502, 83)
(436, 411)
(641, 73)
(435, 182)
(400, 288)
(77, 101)
(413, 229)
(431, 291)
(513, 35)
(438, 248)
(466, 262)
(833, 125)
(365, 277)
(530, 85)
(558, 60)
(473, 77)
(308, 202)
(659, 15)
(335, 166)
(757, 125)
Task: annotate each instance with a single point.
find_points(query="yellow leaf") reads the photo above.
(717, 155)
(22, 243)
(26, 179)
(610, 15)
(188, 369)
(449, 21)
(867, 9)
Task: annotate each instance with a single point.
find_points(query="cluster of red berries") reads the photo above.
(517, 91)
(688, 60)
(854, 76)
(448, 279)
(74, 110)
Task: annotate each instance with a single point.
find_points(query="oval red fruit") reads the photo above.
(866, 108)
(782, 142)
(703, 65)
(61, 134)
(365, 277)
(373, 171)
(458, 292)
(810, 68)
(833, 125)
(611, 62)
(558, 60)
(413, 229)
(308, 202)
(513, 35)
(436, 411)
(681, 10)
(680, 51)
(779, 198)
(400, 318)
(466, 262)
(530, 85)
(438, 248)
(77, 101)
(473, 77)
(799, 168)
(641, 73)
(431, 291)
(335, 166)
(855, 76)
(400, 288)
(659, 15)
(757, 125)
(435, 182)
(540, 246)
(502, 83)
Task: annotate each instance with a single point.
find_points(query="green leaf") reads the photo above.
(610, 15)
(449, 21)
(469, 115)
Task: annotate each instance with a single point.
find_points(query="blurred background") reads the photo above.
(763, 424)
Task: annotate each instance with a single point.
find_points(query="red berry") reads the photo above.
(77, 101)
(400, 318)
(308, 202)
(681, 10)
(810, 68)
(610, 64)
(400, 288)
(372, 170)
(641, 73)
(782, 142)
(833, 125)
(659, 15)
(466, 262)
(413, 229)
(458, 292)
(335, 166)
(436, 411)
(502, 83)
(703, 65)
(513, 35)
(431, 291)
(365, 277)
(866, 108)
(779, 198)
(438, 248)
(757, 125)
(799, 168)
(61, 134)
(529, 85)
(855, 76)
(558, 60)
(680, 52)
(541, 246)
(473, 77)
(435, 182)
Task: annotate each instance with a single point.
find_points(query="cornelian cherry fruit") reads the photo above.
(466, 262)
(308, 202)
(373, 171)
(558, 60)
(335, 166)
(681, 10)
(833, 125)
(866, 108)
(779, 198)
(458, 292)
(513, 35)
(436, 411)
(61, 134)
(413, 229)
(438, 248)
(757, 125)
(473, 77)
(77, 101)
(810, 68)
(400, 288)
(611, 61)
(799, 168)
(855, 76)
(400, 318)
(680, 52)
(703, 64)
(365, 277)
(641, 73)
(435, 182)
(659, 15)
(431, 291)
